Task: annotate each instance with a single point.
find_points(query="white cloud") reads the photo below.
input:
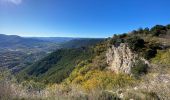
(16, 2)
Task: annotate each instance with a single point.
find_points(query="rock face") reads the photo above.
(121, 59)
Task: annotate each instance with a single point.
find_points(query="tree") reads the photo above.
(134, 32)
(146, 30)
(140, 30)
(135, 43)
(158, 30)
(168, 26)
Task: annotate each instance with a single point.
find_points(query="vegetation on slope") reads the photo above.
(145, 42)
(92, 74)
(82, 73)
(162, 57)
(81, 42)
(56, 66)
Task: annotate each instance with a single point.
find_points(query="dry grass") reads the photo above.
(153, 87)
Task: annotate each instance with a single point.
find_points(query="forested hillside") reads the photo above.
(57, 66)
(81, 42)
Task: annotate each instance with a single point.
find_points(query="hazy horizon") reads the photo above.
(50, 36)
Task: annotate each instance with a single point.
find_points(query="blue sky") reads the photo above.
(80, 18)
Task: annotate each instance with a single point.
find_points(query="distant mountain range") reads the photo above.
(55, 39)
(18, 52)
(16, 42)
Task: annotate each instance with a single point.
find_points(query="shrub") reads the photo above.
(104, 95)
(158, 30)
(105, 80)
(100, 48)
(78, 80)
(117, 40)
(168, 26)
(141, 95)
(150, 53)
(135, 43)
(33, 86)
(139, 68)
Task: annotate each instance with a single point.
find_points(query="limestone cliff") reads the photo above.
(121, 59)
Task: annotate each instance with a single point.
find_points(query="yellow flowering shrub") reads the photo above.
(102, 79)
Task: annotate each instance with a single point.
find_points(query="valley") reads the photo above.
(19, 52)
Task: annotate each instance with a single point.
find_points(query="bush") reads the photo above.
(105, 80)
(117, 40)
(168, 26)
(139, 69)
(150, 53)
(104, 95)
(135, 43)
(33, 86)
(158, 30)
(100, 48)
(141, 95)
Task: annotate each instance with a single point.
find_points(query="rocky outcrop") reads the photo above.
(121, 59)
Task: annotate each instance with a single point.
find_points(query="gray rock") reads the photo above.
(121, 59)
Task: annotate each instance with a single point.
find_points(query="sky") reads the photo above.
(80, 18)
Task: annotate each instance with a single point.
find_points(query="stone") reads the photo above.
(121, 59)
